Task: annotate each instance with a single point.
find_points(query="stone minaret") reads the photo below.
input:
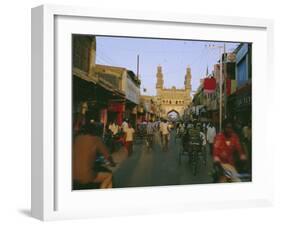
(187, 84)
(187, 81)
(160, 81)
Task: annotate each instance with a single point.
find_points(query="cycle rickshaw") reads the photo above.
(194, 149)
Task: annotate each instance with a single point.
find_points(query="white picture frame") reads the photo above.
(52, 198)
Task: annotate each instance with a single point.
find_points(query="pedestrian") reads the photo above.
(124, 125)
(113, 127)
(246, 132)
(165, 132)
(211, 133)
(247, 141)
(129, 138)
(150, 128)
(85, 149)
(203, 146)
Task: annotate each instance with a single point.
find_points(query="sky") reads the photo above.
(173, 55)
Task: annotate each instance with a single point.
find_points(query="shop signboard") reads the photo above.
(243, 100)
(116, 107)
(132, 91)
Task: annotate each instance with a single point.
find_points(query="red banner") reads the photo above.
(116, 107)
(209, 85)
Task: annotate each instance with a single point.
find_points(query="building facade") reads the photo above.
(240, 102)
(100, 93)
(172, 99)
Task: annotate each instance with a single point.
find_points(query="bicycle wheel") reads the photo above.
(204, 153)
(195, 162)
(194, 155)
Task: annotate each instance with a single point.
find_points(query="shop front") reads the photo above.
(132, 93)
(131, 112)
(116, 111)
(94, 102)
(240, 104)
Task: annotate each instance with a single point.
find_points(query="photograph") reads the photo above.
(150, 111)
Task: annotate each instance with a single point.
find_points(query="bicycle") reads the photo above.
(194, 150)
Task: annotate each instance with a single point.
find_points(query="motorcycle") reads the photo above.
(227, 173)
(101, 165)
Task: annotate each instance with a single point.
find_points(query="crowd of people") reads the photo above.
(228, 148)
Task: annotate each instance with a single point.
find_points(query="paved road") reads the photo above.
(158, 167)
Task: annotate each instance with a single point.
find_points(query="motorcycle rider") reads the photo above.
(226, 144)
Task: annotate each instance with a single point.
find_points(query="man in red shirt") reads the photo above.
(226, 144)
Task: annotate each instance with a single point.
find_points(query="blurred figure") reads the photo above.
(124, 125)
(114, 136)
(114, 128)
(129, 138)
(150, 128)
(226, 145)
(85, 149)
(247, 140)
(203, 143)
(180, 129)
(211, 134)
(247, 132)
(164, 131)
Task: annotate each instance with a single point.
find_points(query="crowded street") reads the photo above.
(157, 167)
(157, 116)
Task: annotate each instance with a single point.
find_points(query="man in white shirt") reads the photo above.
(129, 138)
(164, 130)
(211, 134)
(114, 128)
(124, 125)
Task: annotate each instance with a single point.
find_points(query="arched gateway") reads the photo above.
(173, 114)
(172, 99)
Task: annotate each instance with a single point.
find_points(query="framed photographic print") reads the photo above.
(136, 112)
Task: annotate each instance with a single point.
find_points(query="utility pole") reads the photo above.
(138, 64)
(225, 83)
(220, 82)
(220, 88)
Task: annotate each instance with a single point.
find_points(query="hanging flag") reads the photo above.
(209, 85)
